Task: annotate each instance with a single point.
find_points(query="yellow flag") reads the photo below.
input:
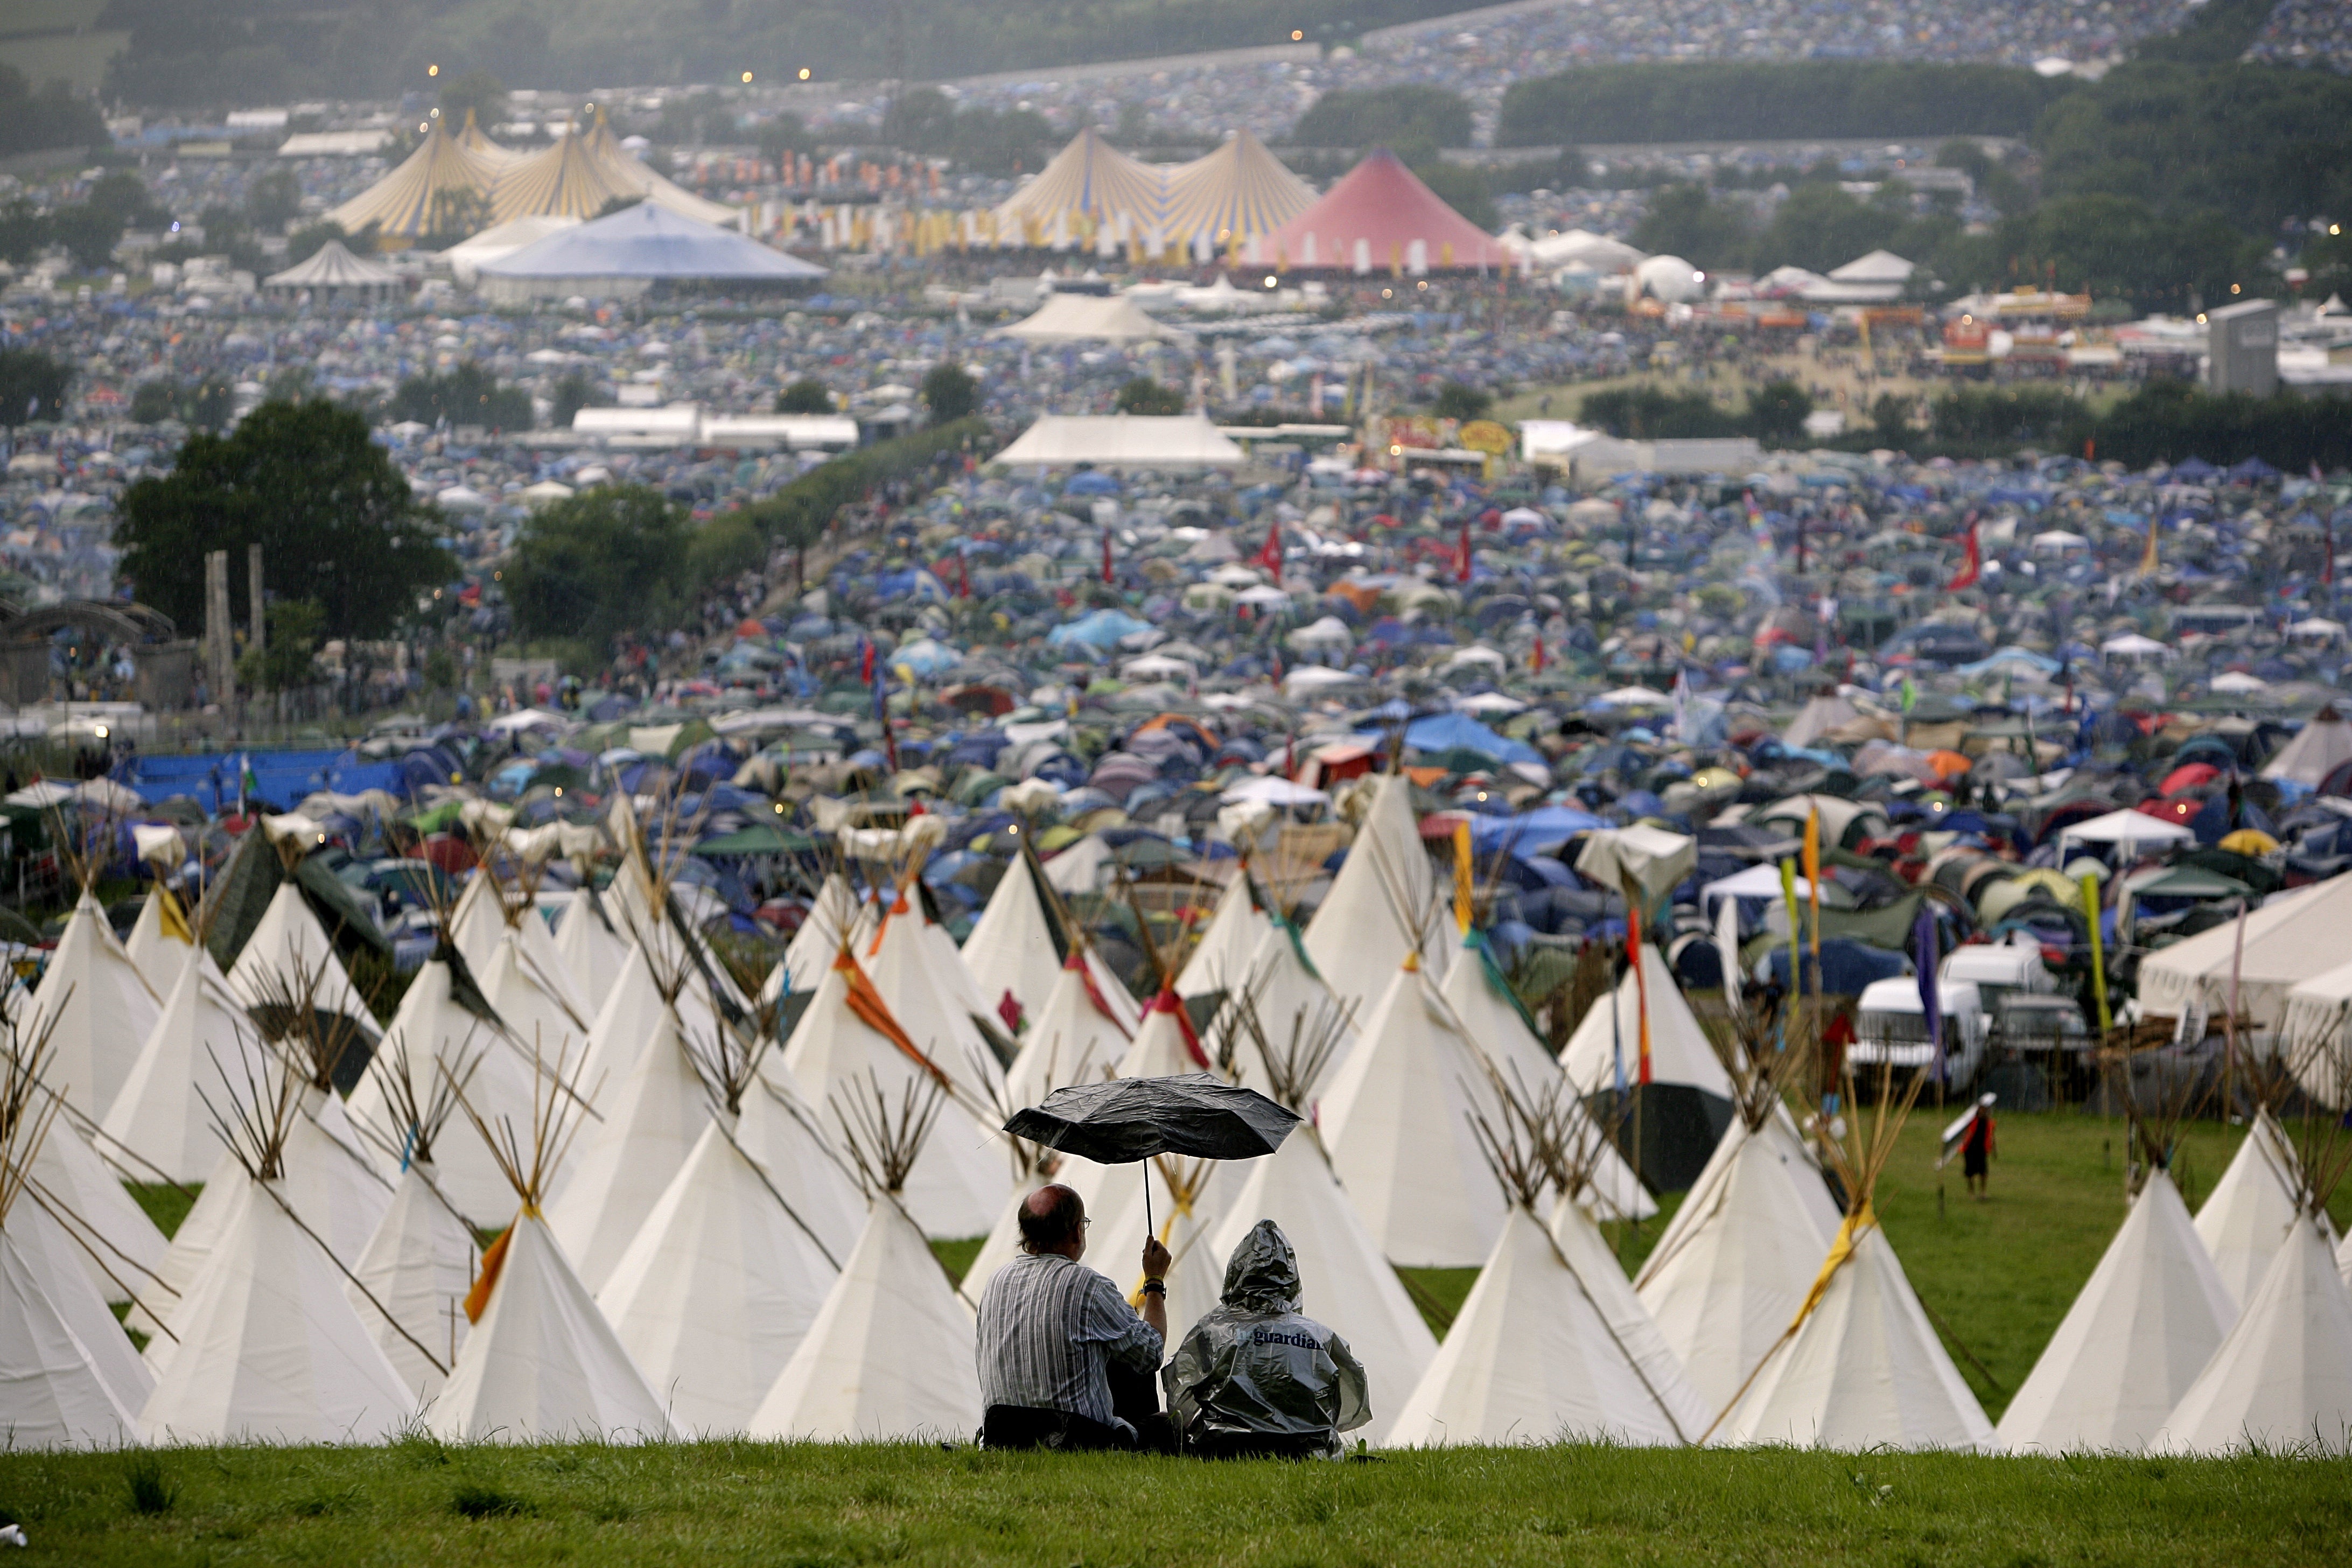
(170, 916)
(1462, 885)
(1840, 1250)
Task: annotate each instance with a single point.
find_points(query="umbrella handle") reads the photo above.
(1149, 1229)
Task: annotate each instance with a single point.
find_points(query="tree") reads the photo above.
(477, 90)
(467, 396)
(54, 117)
(949, 393)
(1462, 189)
(154, 401)
(608, 561)
(1145, 395)
(276, 199)
(32, 388)
(808, 395)
(312, 238)
(573, 392)
(1684, 221)
(284, 660)
(1412, 120)
(1777, 410)
(24, 230)
(920, 119)
(1457, 400)
(89, 234)
(1890, 420)
(334, 517)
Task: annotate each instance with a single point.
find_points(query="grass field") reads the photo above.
(1999, 1274)
(782, 1507)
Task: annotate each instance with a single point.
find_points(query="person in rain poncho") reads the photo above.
(1257, 1377)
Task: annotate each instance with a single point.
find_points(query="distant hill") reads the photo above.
(197, 52)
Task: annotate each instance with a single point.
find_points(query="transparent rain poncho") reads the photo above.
(1254, 1365)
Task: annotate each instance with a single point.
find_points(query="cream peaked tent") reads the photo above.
(1090, 318)
(1344, 1281)
(916, 972)
(2323, 745)
(1289, 994)
(1073, 1037)
(631, 173)
(1186, 1215)
(476, 923)
(201, 1048)
(567, 179)
(125, 1247)
(591, 950)
(1481, 999)
(2282, 1377)
(892, 1354)
(1221, 960)
(1728, 1274)
(1165, 1045)
(958, 1182)
(1688, 1101)
(334, 1181)
(541, 1364)
(2292, 938)
(331, 268)
(1088, 186)
(651, 1119)
(2250, 1213)
(154, 952)
(52, 1395)
(532, 994)
(443, 183)
(466, 259)
(718, 1287)
(270, 1348)
(475, 140)
(57, 1263)
(2144, 1325)
(1550, 1344)
(1381, 906)
(787, 1140)
(633, 1010)
(418, 1266)
(1233, 195)
(97, 1008)
(289, 938)
(433, 1024)
(177, 1269)
(1865, 1371)
(811, 950)
(1012, 947)
(1397, 1119)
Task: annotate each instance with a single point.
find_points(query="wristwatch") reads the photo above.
(1155, 1287)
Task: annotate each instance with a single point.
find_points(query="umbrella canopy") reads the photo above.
(1194, 1114)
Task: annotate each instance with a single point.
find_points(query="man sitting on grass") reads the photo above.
(1052, 1332)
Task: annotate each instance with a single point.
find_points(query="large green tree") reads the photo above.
(607, 561)
(335, 519)
(32, 386)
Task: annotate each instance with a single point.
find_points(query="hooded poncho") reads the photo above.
(1255, 1365)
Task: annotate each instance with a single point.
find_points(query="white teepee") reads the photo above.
(201, 1048)
(1679, 1051)
(1165, 1045)
(1733, 1267)
(128, 1248)
(2282, 1377)
(1221, 960)
(719, 1285)
(95, 1008)
(51, 1393)
(1397, 1120)
(2145, 1324)
(651, 1120)
(787, 1140)
(541, 1364)
(477, 920)
(156, 952)
(958, 1181)
(892, 1354)
(590, 949)
(418, 1266)
(290, 944)
(1550, 1343)
(2250, 1213)
(1381, 906)
(55, 1258)
(831, 914)
(1011, 947)
(1071, 1038)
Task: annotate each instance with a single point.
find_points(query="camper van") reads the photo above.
(1890, 1025)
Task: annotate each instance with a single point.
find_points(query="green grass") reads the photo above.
(167, 1205)
(747, 1503)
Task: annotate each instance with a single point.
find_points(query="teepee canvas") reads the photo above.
(1551, 1342)
(591, 949)
(420, 1263)
(289, 941)
(1397, 1120)
(726, 1274)
(1221, 960)
(1013, 946)
(201, 1046)
(651, 1119)
(1381, 906)
(95, 1008)
(265, 1345)
(159, 938)
(1073, 1037)
(891, 1352)
(541, 1362)
(2250, 1213)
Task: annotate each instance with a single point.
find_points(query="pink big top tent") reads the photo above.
(1378, 218)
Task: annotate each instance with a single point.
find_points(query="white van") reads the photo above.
(1890, 1025)
(1995, 970)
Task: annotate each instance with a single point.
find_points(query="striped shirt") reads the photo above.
(1049, 1328)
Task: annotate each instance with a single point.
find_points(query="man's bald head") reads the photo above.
(1050, 1216)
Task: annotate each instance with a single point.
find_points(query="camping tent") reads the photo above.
(1154, 441)
(1082, 319)
(638, 248)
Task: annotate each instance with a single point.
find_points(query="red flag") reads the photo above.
(1641, 983)
(1106, 555)
(1271, 556)
(1538, 658)
(1462, 566)
(865, 660)
(1974, 567)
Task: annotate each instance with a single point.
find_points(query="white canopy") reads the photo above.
(1157, 441)
(2126, 826)
(1085, 318)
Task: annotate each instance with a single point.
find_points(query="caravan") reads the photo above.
(1891, 1026)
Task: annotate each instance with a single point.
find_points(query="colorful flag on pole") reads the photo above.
(1106, 570)
(1973, 567)
(1641, 989)
(1271, 556)
(1464, 895)
(1931, 1001)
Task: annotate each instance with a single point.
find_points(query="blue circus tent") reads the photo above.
(637, 249)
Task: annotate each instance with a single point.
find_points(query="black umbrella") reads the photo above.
(1121, 1120)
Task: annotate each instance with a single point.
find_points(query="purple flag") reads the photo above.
(1923, 945)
